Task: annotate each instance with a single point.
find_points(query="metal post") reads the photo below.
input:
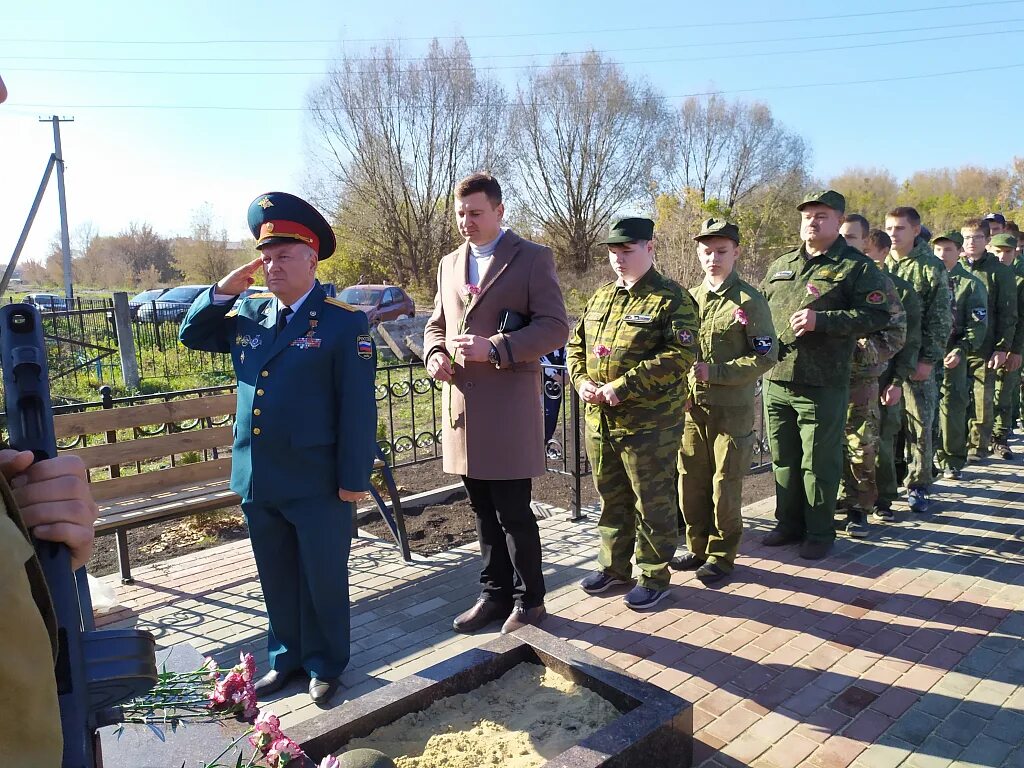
(65, 237)
(125, 342)
(13, 263)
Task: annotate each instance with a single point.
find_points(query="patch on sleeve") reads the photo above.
(876, 297)
(783, 274)
(686, 337)
(979, 314)
(364, 346)
(762, 344)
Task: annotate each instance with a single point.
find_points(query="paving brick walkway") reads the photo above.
(905, 649)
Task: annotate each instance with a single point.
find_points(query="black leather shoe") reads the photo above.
(272, 682)
(815, 550)
(320, 690)
(685, 562)
(480, 615)
(779, 538)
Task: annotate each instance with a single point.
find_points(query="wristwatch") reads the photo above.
(492, 356)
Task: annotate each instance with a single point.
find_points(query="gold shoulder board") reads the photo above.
(264, 295)
(339, 303)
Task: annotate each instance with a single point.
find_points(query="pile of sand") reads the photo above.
(522, 719)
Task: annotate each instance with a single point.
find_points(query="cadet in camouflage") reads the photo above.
(737, 345)
(1007, 390)
(970, 323)
(628, 357)
(823, 297)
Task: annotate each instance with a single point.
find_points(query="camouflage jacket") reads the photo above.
(927, 274)
(904, 362)
(1018, 334)
(1002, 303)
(970, 312)
(847, 293)
(642, 340)
(737, 341)
(873, 351)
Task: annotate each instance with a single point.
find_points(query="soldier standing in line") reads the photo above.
(823, 296)
(1007, 391)
(628, 358)
(737, 345)
(970, 321)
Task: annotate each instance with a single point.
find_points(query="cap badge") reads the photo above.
(265, 203)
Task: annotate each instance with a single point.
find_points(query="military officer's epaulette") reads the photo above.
(340, 303)
(232, 313)
(264, 295)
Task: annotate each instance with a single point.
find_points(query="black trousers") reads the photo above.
(509, 541)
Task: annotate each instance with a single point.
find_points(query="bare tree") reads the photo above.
(586, 142)
(204, 255)
(393, 137)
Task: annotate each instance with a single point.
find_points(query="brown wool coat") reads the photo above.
(497, 412)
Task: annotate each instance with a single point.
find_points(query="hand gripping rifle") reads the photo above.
(95, 670)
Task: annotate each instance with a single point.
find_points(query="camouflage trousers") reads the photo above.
(919, 399)
(1007, 402)
(635, 477)
(890, 418)
(718, 442)
(860, 449)
(982, 381)
(951, 452)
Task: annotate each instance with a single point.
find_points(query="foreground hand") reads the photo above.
(588, 392)
(803, 321)
(439, 366)
(54, 499)
(607, 394)
(922, 372)
(351, 495)
(892, 395)
(1013, 361)
(952, 360)
(474, 348)
(998, 360)
(700, 371)
(240, 279)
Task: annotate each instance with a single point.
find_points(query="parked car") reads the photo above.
(136, 301)
(380, 302)
(47, 302)
(172, 306)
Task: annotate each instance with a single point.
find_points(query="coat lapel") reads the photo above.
(507, 249)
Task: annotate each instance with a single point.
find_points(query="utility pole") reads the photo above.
(65, 237)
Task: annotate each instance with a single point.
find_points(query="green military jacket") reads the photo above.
(847, 293)
(1017, 345)
(1002, 302)
(904, 362)
(923, 270)
(970, 312)
(874, 351)
(737, 341)
(642, 340)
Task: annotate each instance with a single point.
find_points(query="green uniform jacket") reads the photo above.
(846, 291)
(1018, 335)
(970, 312)
(874, 351)
(1002, 302)
(904, 362)
(642, 340)
(737, 341)
(927, 274)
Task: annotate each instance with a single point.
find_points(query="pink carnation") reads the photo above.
(813, 290)
(600, 350)
(330, 762)
(247, 666)
(270, 724)
(470, 290)
(212, 670)
(740, 316)
(283, 751)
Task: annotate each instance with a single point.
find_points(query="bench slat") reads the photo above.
(217, 498)
(152, 447)
(146, 483)
(95, 422)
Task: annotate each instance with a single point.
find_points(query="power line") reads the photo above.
(515, 35)
(788, 87)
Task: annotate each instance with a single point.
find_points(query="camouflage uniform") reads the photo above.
(1007, 389)
(870, 357)
(1000, 285)
(649, 332)
(970, 322)
(928, 276)
(897, 372)
(808, 391)
(738, 342)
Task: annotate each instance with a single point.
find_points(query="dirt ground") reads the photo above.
(434, 528)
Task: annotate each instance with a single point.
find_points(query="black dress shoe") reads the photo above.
(272, 682)
(779, 538)
(815, 550)
(685, 562)
(480, 615)
(321, 690)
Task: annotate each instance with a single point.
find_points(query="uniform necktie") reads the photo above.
(282, 318)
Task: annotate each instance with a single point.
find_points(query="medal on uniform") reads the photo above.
(241, 357)
(256, 341)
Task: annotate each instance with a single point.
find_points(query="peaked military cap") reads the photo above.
(953, 236)
(828, 197)
(1003, 241)
(278, 217)
(629, 230)
(718, 228)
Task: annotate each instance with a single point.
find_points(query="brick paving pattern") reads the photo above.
(902, 650)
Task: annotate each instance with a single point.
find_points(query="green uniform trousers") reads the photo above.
(891, 417)
(1006, 404)
(860, 448)
(718, 443)
(980, 416)
(952, 450)
(918, 413)
(805, 432)
(635, 476)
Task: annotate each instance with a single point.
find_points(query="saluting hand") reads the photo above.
(803, 321)
(240, 279)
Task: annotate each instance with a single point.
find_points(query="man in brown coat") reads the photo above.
(498, 308)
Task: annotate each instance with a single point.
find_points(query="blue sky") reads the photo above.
(130, 158)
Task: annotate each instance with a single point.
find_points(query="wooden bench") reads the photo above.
(146, 496)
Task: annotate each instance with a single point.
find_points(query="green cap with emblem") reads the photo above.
(718, 228)
(1003, 241)
(952, 236)
(629, 230)
(828, 197)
